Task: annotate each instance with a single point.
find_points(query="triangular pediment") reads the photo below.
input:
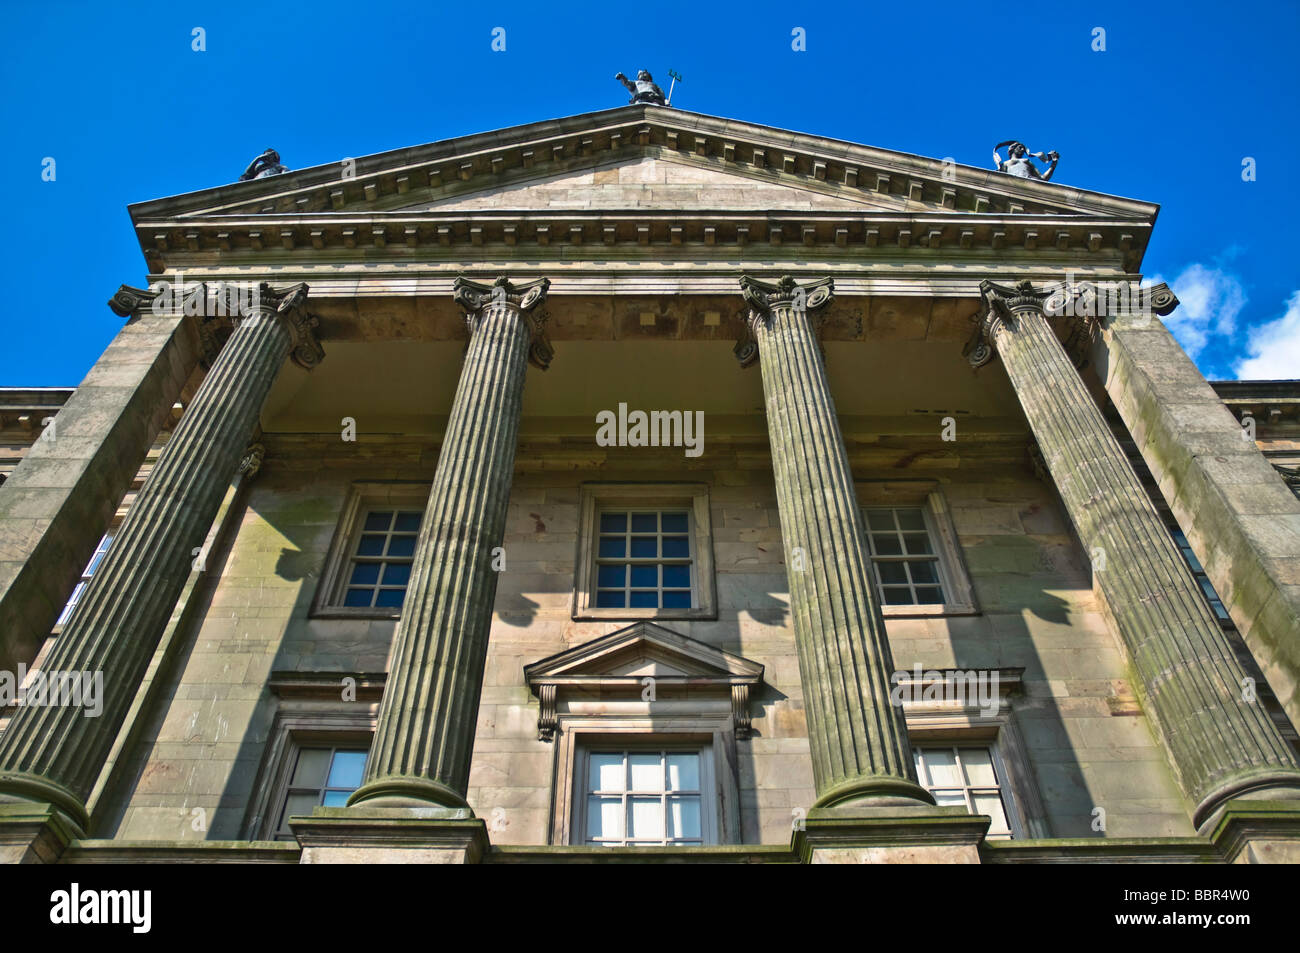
(621, 155)
(644, 650)
(633, 177)
(657, 182)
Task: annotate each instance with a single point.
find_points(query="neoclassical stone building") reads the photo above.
(645, 485)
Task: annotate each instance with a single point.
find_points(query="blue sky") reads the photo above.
(1183, 92)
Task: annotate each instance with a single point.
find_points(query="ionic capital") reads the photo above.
(526, 300)
(1002, 304)
(766, 298)
(290, 305)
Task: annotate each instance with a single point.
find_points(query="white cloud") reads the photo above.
(1209, 301)
(1274, 347)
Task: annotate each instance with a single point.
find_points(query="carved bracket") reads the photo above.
(127, 300)
(250, 464)
(526, 300)
(740, 710)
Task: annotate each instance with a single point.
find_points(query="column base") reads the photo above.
(390, 835)
(34, 833)
(1250, 831)
(885, 791)
(408, 792)
(34, 789)
(1268, 784)
(890, 834)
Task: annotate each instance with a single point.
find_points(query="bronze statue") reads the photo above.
(644, 89)
(268, 163)
(1017, 161)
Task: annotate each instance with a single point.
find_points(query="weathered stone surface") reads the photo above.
(55, 753)
(1238, 515)
(59, 500)
(1220, 740)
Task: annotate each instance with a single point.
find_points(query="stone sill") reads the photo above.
(383, 615)
(1107, 850)
(658, 615)
(926, 612)
(725, 854)
(180, 852)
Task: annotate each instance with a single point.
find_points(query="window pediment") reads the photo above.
(623, 664)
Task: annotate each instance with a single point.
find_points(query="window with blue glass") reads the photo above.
(644, 559)
(1202, 578)
(380, 565)
(322, 777)
(86, 573)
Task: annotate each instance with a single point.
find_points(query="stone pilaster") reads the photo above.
(425, 737)
(1221, 741)
(55, 753)
(1240, 518)
(858, 739)
(59, 500)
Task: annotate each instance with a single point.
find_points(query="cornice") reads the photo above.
(616, 236)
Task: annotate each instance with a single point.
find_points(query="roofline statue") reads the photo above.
(1017, 162)
(268, 163)
(644, 90)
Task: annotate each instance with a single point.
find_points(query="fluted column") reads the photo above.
(55, 753)
(858, 739)
(1221, 741)
(425, 737)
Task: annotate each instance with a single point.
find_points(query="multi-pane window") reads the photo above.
(322, 777)
(904, 556)
(89, 571)
(644, 797)
(644, 559)
(380, 565)
(1202, 578)
(964, 776)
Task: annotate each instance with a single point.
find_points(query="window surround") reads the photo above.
(959, 593)
(694, 497)
(942, 722)
(594, 695)
(310, 713)
(362, 497)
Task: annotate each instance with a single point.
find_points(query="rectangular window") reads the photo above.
(89, 571)
(646, 797)
(1202, 578)
(904, 556)
(644, 560)
(645, 551)
(380, 566)
(965, 776)
(368, 569)
(321, 777)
